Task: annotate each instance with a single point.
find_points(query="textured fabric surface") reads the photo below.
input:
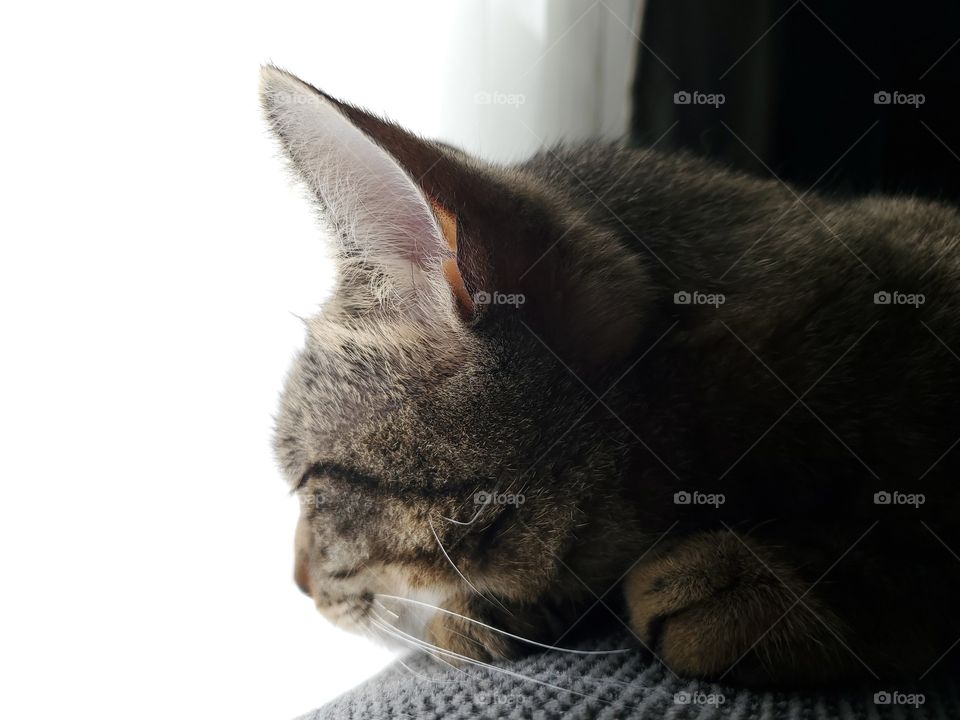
(606, 687)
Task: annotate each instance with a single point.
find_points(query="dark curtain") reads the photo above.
(800, 83)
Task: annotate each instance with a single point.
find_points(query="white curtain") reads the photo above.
(496, 77)
(525, 73)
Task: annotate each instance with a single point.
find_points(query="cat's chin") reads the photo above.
(398, 622)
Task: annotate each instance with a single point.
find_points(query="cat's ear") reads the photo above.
(452, 239)
(375, 199)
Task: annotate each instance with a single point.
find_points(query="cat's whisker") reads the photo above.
(384, 607)
(504, 632)
(391, 631)
(385, 629)
(424, 645)
(432, 650)
(462, 576)
(463, 658)
(472, 520)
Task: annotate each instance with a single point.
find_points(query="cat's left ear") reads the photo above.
(380, 187)
(448, 239)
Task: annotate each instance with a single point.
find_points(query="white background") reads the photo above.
(154, 255)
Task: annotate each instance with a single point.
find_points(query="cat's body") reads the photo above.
(797, 400)
(512, 460)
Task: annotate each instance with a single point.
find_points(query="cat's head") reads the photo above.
(434, 425)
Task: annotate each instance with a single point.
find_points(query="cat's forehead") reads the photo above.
(350, 373)
(374, 354)
(342, 335)
(354, 381)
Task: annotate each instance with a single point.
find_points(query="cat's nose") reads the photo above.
(301, 574)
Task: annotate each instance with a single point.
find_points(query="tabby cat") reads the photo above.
(608, 372)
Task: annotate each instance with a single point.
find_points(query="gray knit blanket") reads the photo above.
(551, 685)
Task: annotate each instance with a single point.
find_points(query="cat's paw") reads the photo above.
(719, 606)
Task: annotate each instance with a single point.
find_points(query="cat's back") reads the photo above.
(706, 217)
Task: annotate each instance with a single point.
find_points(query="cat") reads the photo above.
(611, 372)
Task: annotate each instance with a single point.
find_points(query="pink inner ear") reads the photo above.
(398, 218)
(390, 216)
(379, 210)
(362, 186)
